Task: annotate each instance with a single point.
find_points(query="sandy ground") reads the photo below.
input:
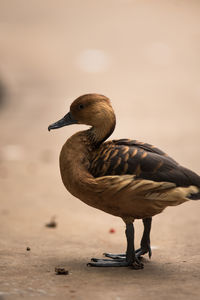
(144, 55)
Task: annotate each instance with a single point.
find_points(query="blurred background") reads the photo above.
(144, 56)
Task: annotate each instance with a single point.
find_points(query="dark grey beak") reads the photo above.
(65, 121)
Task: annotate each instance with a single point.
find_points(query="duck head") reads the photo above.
(90, 109)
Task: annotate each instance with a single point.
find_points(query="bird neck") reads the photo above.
(98, 134)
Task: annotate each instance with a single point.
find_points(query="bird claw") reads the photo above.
(137, 265)
(143, 250)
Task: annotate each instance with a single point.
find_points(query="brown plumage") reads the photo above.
(126, 178)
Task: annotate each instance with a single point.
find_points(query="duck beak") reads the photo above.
(65, 121)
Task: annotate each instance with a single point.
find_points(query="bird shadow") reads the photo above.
(152, 269)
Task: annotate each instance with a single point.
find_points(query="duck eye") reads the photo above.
(81, 106)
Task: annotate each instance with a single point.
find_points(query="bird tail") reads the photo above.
(195, 196)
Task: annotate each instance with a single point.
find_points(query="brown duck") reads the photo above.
(125, 178)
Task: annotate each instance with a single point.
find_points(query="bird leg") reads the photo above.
(129, 259)
(145, 241)
(144, 245)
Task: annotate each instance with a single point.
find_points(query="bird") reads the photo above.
(125, 178)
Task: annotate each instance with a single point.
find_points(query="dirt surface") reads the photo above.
(144, 55)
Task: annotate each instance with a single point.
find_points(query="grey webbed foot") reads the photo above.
(115, 256)
(95, 262)
(121, 260)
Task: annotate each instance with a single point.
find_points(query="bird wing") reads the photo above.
(144, 146)
(126, 157)
(129, 187)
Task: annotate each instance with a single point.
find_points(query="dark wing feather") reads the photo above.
(145, 161)
(141, 145)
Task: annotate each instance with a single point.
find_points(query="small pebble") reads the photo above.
(52, 223)
(61, 271)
